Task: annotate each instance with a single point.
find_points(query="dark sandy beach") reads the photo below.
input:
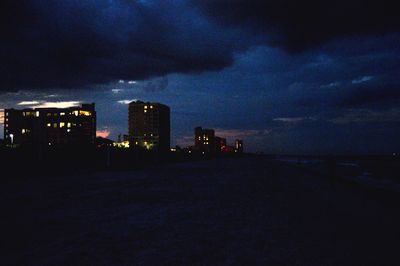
(247, 211)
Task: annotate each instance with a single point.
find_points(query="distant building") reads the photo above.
(50, 126)
(238, 146)
(220, 145)
(103, 142)
(204, 140)
(149, 126)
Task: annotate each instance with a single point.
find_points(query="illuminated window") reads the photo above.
(145, 107)
(145, 111)
(76, 113)
(48, 124)
(62, 124)
(85, 113)
(48, 114)
(23, 131)
(69, 125)
(55, 125)
(151, 106)
(62, 113)
(37, 113)
(68, 130)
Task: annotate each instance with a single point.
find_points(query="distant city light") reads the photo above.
(123, 144)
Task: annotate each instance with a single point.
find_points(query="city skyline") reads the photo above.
(284, 77)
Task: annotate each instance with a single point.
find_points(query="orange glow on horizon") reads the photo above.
(103, 133)
(1, 116)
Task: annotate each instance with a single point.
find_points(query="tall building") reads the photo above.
(239, 146)
(50, 126)
(149, 126)
(204, 140)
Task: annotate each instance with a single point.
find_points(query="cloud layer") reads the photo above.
(76, 43)
(299, 25)
(72, 44)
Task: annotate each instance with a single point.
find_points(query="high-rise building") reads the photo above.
(149, 126)
(204, 140)
(50, 126)
(238, 146)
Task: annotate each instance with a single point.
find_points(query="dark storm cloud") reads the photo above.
(299, 25)
(70, 43)
(73, 43)
(372, 96)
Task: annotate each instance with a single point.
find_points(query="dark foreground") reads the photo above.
(230, 211)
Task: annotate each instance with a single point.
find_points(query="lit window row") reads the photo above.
(75, 113)
(31, 113)
(62, 124)
(25, 131)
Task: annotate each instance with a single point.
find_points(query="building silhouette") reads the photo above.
(204, 140)
(50, 126)
(239, 146)
(220, 144)
(149, 126)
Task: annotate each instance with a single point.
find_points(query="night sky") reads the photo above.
(285, 76)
